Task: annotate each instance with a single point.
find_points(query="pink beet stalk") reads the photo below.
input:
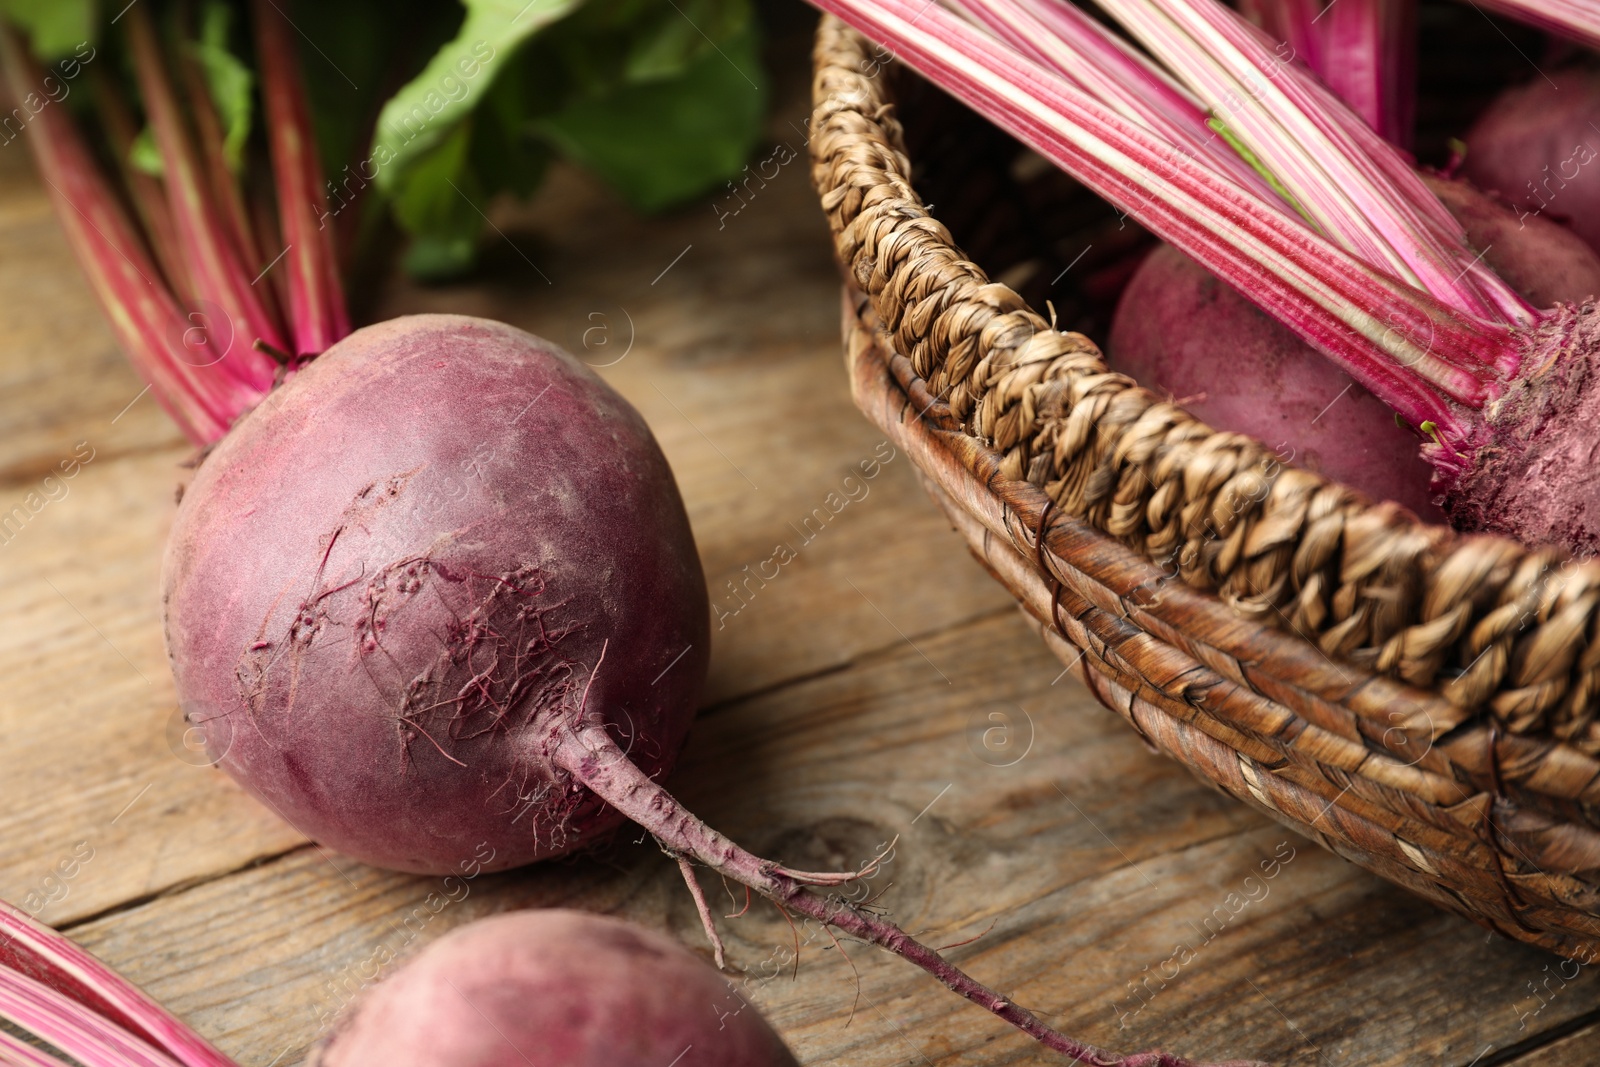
(19, 1053)
(316, 294)
(1577, 20)
(1368, 36)
(172, 357)
(1381, 280)
(145, 190)
(213, 263)
(1353, 200)
(1368, 58)
(1363, 50)
(204, 330)
(211, 142)
(64, 971)
(69, 1026)
(1294, 22)
(1089, 56)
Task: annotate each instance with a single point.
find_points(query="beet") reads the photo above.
(554, 988)
(438, 595)
(1537, 145)
(432, 595)
(1542, 260)
(386, 576)
(1180, 330)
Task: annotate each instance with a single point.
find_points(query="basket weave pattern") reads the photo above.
(1422, 702)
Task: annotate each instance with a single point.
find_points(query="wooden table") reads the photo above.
(847, 705)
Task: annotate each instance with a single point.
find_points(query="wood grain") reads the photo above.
(88, 706)
(1579, 1049)
(1087, 861)
(881, 686)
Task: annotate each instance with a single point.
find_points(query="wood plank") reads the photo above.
(90, 765)
(736, 364)
(1578, 1049)
(1091, 858)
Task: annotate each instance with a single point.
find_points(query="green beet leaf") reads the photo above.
(660, 142)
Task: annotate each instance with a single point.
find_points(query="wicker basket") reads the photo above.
(1422, 703)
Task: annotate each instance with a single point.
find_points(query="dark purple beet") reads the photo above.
(385, 575)
(1537, 145)
(1181, 330)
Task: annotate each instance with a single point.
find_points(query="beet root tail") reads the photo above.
(589, 754)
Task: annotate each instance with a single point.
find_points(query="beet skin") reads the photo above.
(1541, 259)
(1537, 146)
(553, 989)
(389, 578)
(1182, 330)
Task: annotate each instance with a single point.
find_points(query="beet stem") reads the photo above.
(83, 1034)
(143, 311)
(14, 1050)
(75, 977)
(1303, 139)
(148, 194)
(1087, 54)
(214, 161)
(588, 752)
(1368, 56)
(213, 263)
(316, 294)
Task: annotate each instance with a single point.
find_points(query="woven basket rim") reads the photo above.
(1499, 767)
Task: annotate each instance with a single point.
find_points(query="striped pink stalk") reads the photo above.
(212, 144)
(1374, 150)
(145, 190)
(206, 331)
(89, 1038)
(1086, 54)
(1364, 51)
(1368, 56)
(16, 1052)
(174, 359)
(1577, 20)
(1406, 347)
(1292, 22)
(30, 950)
(214, 266)
(316, 294)
(1267, 105)
(1390, 291)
